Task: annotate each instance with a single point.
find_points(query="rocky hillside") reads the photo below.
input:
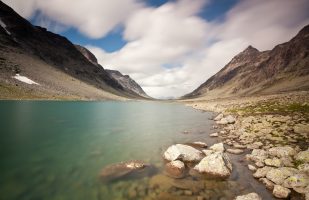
(284, 68)
(127, 82)
(124, 80)
(50, 60)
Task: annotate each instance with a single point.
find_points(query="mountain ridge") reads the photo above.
(254, 72)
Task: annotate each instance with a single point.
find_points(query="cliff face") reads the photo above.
(125, 81)
(284, 68)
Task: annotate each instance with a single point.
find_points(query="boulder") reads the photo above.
(303, 156)
(215, 165)
(219, 147)
(250, 196)
(118, 170)
(207, 152)
(281, 192)
(235, 151)
(175, 169)
(183, 152)
(304, 168)
(280, 174)
(281, 152)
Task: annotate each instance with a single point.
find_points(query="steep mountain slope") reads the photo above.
(124, 80)
(284, 68)
(27, 50)
(127, 82)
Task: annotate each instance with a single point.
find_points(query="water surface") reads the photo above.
(55, 150)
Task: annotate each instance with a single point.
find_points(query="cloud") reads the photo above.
(170, 49)
(94, 18)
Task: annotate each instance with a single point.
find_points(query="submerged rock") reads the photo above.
(118, 170)
(250, 196)
(197, 144)
(175, 169)
(235, 151)
(281, 192)
(215, 165)
(183, 152)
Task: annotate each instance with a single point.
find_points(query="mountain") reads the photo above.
(52, 61)
(124, 80)
(127, 82)
(284, 68)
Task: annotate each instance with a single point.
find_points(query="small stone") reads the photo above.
(281, 192)
(275, 162)
(175, 169)
(280, 174)
(262, 172)
(303, 156)
(250, 196)
(219, 117)
(188, 192)
(219, 147)
(235, 151)
(269, 185)
(214, 135)
(207, 152)
(252, 168)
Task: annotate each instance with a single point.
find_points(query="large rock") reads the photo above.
(281, 152)
(281, 192)
(219, 147)
(250, 196)
(118, 170)
(183, 152)
(216, 165)
(275, 162)
(303, 156)
(280, 174)
(175, 169)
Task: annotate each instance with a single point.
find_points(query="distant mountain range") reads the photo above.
(284, 68)
(60, 68)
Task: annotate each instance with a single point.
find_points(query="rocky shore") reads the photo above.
(272, 134)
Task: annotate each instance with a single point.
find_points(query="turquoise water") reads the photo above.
(55, 150)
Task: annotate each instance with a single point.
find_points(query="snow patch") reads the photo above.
(25, 79)
(2, 24)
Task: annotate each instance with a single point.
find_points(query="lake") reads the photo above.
(56, 150)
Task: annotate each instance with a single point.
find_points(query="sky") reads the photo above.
(168, 47)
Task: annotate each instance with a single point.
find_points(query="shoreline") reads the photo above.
(272, 134)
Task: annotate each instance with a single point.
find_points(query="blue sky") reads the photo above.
(168, 47)
(113, 41)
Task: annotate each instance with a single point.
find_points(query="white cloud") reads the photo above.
(174, 35)
(94, 18)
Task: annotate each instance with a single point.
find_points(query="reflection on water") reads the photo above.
(55, 150)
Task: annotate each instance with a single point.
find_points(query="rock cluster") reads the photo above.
(277, 158)
(212, 162)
